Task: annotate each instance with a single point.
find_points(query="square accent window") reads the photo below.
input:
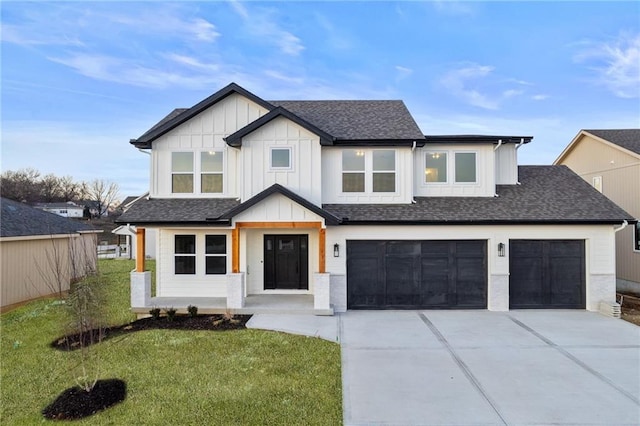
(181, 172)
(435, 167)
(185, 255)
(211, 168)
(216, 254)
(352, 170)
(384, 171)
(465, 167)
(280, 158)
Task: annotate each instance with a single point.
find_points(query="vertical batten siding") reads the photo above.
(198, 285)
(202, 132)
(302, 178)
(620, 172)
(506, 158)
(485, 169)
(32, 268)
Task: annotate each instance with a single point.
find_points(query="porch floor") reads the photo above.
(253, 304)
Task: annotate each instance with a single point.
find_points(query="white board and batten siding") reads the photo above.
(599, 249)
(168, 284)
(331, 182)
(506, 159)
(304, 174)
(485, 168)
(201, 133)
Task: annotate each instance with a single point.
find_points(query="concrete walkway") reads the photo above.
(537, 367)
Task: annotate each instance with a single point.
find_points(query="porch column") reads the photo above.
(235, 250)
(140, 249)
(322, 233)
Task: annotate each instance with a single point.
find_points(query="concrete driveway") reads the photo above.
(542, 367)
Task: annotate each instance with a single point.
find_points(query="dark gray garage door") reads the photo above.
(416, 274)
(546, 274)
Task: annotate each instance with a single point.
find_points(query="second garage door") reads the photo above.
(416, 274)
(546, 274)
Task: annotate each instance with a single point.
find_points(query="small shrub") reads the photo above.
(193, 311)
(171, 313)
(155, 313)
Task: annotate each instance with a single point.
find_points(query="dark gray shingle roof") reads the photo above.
(357, 120)
(19, 219)
(626, 138)
(546, 194)
(177, 210)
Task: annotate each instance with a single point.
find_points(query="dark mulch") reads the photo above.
(76, 403)
(216, 322)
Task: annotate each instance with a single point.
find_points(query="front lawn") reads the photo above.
(180, 377)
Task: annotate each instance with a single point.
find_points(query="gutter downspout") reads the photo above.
(413, 173)
(624, 225)
(498, 146)
(520, 144)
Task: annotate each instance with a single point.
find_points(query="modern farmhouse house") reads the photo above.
(323, 206)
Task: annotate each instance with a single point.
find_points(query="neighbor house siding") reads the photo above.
(620, 173)
(37, 267)
(204, 132)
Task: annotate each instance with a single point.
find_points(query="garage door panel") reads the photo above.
(366, 288)
(420, 274)
(547, 274)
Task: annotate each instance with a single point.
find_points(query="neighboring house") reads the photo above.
(68, 209)
(347, 205)
(41, 253)
(129, 232)
(610, 161)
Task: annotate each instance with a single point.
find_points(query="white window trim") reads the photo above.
(446, 182)
(200, 255)
(194, 255)
(206, 255)
(368, 172)
(193, 172)
(281, 169)
(453, 171)
(596, 182)
(200, 172)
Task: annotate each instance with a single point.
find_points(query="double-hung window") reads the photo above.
(211, 171)
(185, 255)
(181, 172)
(435, 169)
(353, 171)
(465, 167)
(215, 254)
(384, 170)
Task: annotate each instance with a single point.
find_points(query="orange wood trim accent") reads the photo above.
(235, 250)
(140, 249)
(289, 225)
(322, 232)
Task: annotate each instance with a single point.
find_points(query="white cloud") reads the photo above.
(540, 97)
(403, 72)
(457, 82)
(616, 64)
(31, 37)
(191, 62)
(453, 7)
(263, 26)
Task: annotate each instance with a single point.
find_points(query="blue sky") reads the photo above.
(79, 79)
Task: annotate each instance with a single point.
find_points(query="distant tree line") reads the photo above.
(29, 186)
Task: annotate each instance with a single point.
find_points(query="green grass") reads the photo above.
(245, 377)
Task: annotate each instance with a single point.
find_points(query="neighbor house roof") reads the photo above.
(626, 138)
(19, 219)
(69, 205)
(546, 194)
(336, 122)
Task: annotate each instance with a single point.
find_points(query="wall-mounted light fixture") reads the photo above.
(336, 250)
(501, 249)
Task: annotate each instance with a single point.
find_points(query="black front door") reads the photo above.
(286, 262)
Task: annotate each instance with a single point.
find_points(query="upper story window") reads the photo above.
(280, 158)
(435, 169)
(211, 169)
(181, 172)
(465, 167)
(369, 171)
(384, 170)
(353, 170)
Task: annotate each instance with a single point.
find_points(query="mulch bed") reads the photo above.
(76, 403)
(215, 322)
